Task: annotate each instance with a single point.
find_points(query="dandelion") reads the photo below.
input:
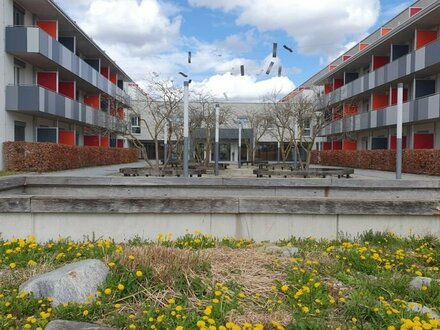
(85, 312)
(108, 291)
(121, 287)
(138, 273)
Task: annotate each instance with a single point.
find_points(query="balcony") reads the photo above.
(36, 100)
(424, 108)
(37, 47)
(418, 61)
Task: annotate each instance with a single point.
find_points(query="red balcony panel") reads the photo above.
(114, 78)
(393, 142)
(66, 137)
(346, 57)
(380, 61)
(350, 109)
(327, 146)
(414, 10)
(51, 28)
(92, 140)
(423, 141)
(67, 88)
(93, 101)
(338, 83)
(105, 142)
(337, 145)
(349, 145)
(48, 80)
(120, 143)
(328, 88)
(362, 46)
(105, 72)
(384, 31)
(424, 37)
(394, 95)
(380, 102)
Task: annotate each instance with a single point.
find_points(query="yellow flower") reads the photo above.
(131, 257)
(179, 327)
(121, 287)
(138, 273)
(201, 323)
(12, 265)
(108, 291)
(171, 301)
(218, 293)
(132, 326)
(85, 312)
(241, 295)
(284, 288)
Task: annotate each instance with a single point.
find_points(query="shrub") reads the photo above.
(414, 161)
(45, 157)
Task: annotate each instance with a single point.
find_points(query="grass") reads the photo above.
(7, 173)
(198, 281)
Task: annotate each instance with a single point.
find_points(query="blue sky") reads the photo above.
(154, 36)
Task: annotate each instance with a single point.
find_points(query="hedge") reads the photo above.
(414, 161)
(46, 157)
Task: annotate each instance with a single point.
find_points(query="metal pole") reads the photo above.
(165, 143)
(239, 144)
(278, 151)
(185, 129)
(399, 131)
(216, 147)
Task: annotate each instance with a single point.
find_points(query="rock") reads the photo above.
(419, 281)
(290, 252)
(419, 308)
(74, 282)
(72, 325)
(273, 249)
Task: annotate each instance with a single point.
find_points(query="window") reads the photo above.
(16, 75)
(19, 131)
(18, 15)
(307, 129)
(136, 125)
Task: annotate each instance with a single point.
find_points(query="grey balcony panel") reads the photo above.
(393, 70)
(35, 40)
(381, 118)
(391, 115)
(402, 69)
(432, 54)
(16, 40)
(420, 59)
(38, 100)
(434, 107)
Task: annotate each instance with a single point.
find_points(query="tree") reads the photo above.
(259, 121)
(155, 109)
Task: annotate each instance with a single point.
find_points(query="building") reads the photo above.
(361, 85)
(56, 84)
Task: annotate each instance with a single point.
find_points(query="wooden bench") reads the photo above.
(314, 172)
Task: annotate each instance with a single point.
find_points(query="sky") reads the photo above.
(152, 38)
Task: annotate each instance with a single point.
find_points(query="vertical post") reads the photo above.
(216, 147)
(278, 151)
(399, 131)
(185, 129)
(239, 143)
(165, 142)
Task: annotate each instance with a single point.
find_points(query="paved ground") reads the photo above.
(232, 171)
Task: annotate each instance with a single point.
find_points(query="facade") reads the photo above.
(361, 85)
(56, 84)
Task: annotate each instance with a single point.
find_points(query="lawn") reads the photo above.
(201, 282)
(7, 173)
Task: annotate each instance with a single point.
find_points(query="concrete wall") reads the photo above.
(260, 227)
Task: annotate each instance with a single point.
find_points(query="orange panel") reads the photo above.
(338, 83)
(349, 145)
(331, 67)
(385, 31)
(425, 37)
(380, 101)
(380, 61)
(93, 101)
(67, 88)
(346, 57)
(328, 88)
(350, 109)
(91, 141)
(114, 78)
(414, 10)
(362, 46)
(105, 142)
(105, 72)
(66, 137)
(51, 28)
(48, 80)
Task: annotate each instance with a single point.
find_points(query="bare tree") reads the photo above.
(259, 121)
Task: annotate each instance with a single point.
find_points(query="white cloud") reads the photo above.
(247, 88)
(317, 26)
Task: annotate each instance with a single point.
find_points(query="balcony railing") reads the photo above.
(424, 108)
(33, 40)
(34, 99)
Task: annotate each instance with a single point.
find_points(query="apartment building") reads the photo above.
(360, 86)
(56, 84)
